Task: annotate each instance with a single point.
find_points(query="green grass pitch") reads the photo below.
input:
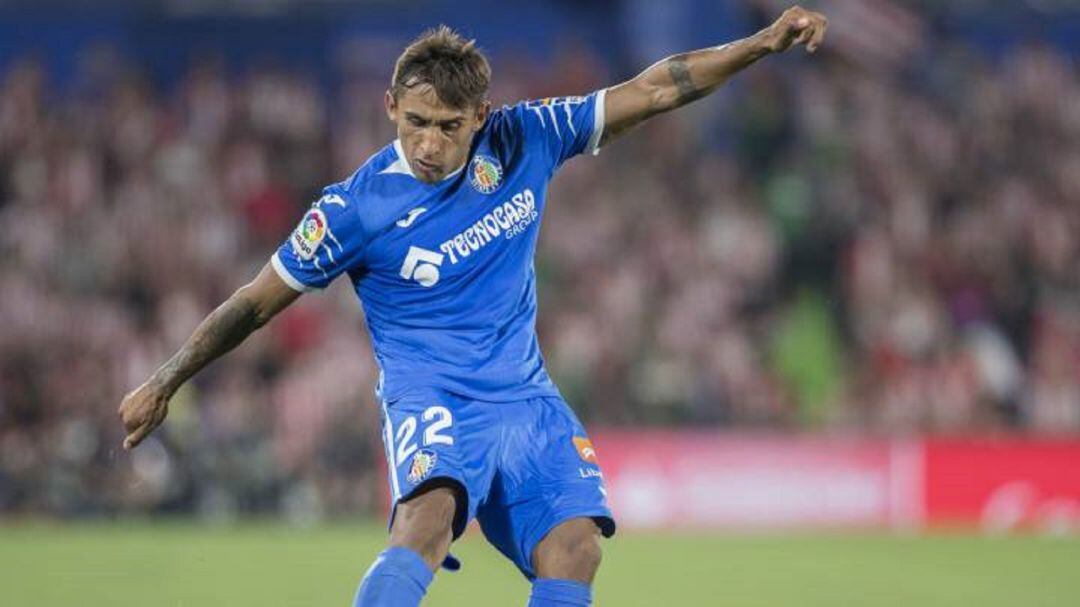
(183, 565)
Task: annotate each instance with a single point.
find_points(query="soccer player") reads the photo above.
(437, 233)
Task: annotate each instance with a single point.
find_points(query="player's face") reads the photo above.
(435, 136)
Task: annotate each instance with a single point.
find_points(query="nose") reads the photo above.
(428, 146)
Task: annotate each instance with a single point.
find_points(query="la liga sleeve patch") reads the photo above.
(307, 236)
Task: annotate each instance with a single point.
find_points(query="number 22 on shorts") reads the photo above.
(436, 419)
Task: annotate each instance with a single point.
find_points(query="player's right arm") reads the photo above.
(250, 307)
(328, 242)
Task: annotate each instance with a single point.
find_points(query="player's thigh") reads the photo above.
(436, 439)
(570, 551)
(549, 475)
(424, 523)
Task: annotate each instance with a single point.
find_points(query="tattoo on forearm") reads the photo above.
(680, 75)
(220, 332)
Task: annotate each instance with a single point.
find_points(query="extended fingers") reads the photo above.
(804, 35)
(802, 27)
(138, 430)
(132, 440)
(818, 33)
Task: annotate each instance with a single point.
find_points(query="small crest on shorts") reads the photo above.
(585, 449)
(422, 465)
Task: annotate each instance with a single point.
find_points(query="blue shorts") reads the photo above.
(523, 466)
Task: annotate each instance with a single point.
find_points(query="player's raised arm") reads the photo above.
(677, 80)
(249, 308)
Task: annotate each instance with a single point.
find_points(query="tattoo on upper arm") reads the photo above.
(680, 75)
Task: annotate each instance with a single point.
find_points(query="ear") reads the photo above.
(482, 112)
(391, 106)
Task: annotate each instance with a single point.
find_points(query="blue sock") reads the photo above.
(397, 578)
(548, 592)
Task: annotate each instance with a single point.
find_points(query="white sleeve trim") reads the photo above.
(598, 123)
(287, 277)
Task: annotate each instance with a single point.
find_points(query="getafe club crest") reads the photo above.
(485, 174)
(309, 234)
(422, 465)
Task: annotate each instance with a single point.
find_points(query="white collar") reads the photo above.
(401, 165)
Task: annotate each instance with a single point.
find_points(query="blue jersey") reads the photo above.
(444, 271)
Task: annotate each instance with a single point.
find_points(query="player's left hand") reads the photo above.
(142, 410)
(796, 26)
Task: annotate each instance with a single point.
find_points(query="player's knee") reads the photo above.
(571, 551)
(425, 524)
(585, 556)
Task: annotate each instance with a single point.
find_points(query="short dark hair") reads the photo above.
(453, 66)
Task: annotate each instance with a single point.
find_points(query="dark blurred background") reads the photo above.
(878, 241)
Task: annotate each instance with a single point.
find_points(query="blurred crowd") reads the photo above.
(823, 246)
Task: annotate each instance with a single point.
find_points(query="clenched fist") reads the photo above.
(143, 410)
(796, 26)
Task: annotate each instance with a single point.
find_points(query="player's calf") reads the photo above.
(419, 540)
(566, 561)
